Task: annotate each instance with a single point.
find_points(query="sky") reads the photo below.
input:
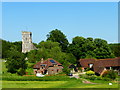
(86, 19)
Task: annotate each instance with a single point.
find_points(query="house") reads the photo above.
(99, 66)
(49, 66)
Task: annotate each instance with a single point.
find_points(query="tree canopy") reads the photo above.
(90, 48)
(49, 49)
(115, 49)
(57, 36)
(15, 61)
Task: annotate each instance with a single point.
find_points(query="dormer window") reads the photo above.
(90, 65)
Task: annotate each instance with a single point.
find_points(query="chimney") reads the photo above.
(42, 60)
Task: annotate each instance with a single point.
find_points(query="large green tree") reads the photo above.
(15, 61)
(102, 49)
(6, 45)
(76, 48)
(58, 36)
(90, 48)
(115, 49)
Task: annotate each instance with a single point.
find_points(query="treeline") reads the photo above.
(116, 49)
(56, 46)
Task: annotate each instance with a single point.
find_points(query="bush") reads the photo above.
(21, 71)
(106, 79)
(30, 65)
(92, 77)
(89, 73)
(87, 69)
(110, 74)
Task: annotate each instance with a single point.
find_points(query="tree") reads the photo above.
(32, 56)
(5, 47)
(57, 36)
(102, 49)
(89, 48)
(15, 61)
(77, 48)
(115, 49)
(17, 45)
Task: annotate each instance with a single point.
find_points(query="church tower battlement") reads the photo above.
(27, 44)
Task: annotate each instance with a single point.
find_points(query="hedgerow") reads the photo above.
(34, 78)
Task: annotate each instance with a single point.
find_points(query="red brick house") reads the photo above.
(101, 65)
(49, 66)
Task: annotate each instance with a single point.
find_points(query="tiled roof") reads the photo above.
(108, 62)
(47, 63)
(84, 62)
(99, 64)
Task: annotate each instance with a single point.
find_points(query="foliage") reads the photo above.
(111, 74)
(87, 69)
(6, 46)
(32, 58)
(34, 78)
(116, 49)
(102, 49)
(50, 49)
(90, 48)
(90, 73)
(21, 71)
(57, 36)
(90, 77)
(66, 69)
(15, 61)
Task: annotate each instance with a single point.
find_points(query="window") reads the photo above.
(90, 65)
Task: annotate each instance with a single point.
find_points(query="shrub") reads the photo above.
(87, 69)
(110, 74)
(30, 65)
(89, 73)
(66, 70)
(21, 71)
(106, 79)
(93, 77)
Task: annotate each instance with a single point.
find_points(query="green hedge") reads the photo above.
(92, 77)
(34, 78)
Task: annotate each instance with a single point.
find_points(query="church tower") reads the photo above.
(27, 44)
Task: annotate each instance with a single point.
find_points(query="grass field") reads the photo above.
(54, 84)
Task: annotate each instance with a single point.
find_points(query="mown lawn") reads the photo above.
(55, 84)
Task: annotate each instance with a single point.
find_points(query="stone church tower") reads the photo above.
(27, 44)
